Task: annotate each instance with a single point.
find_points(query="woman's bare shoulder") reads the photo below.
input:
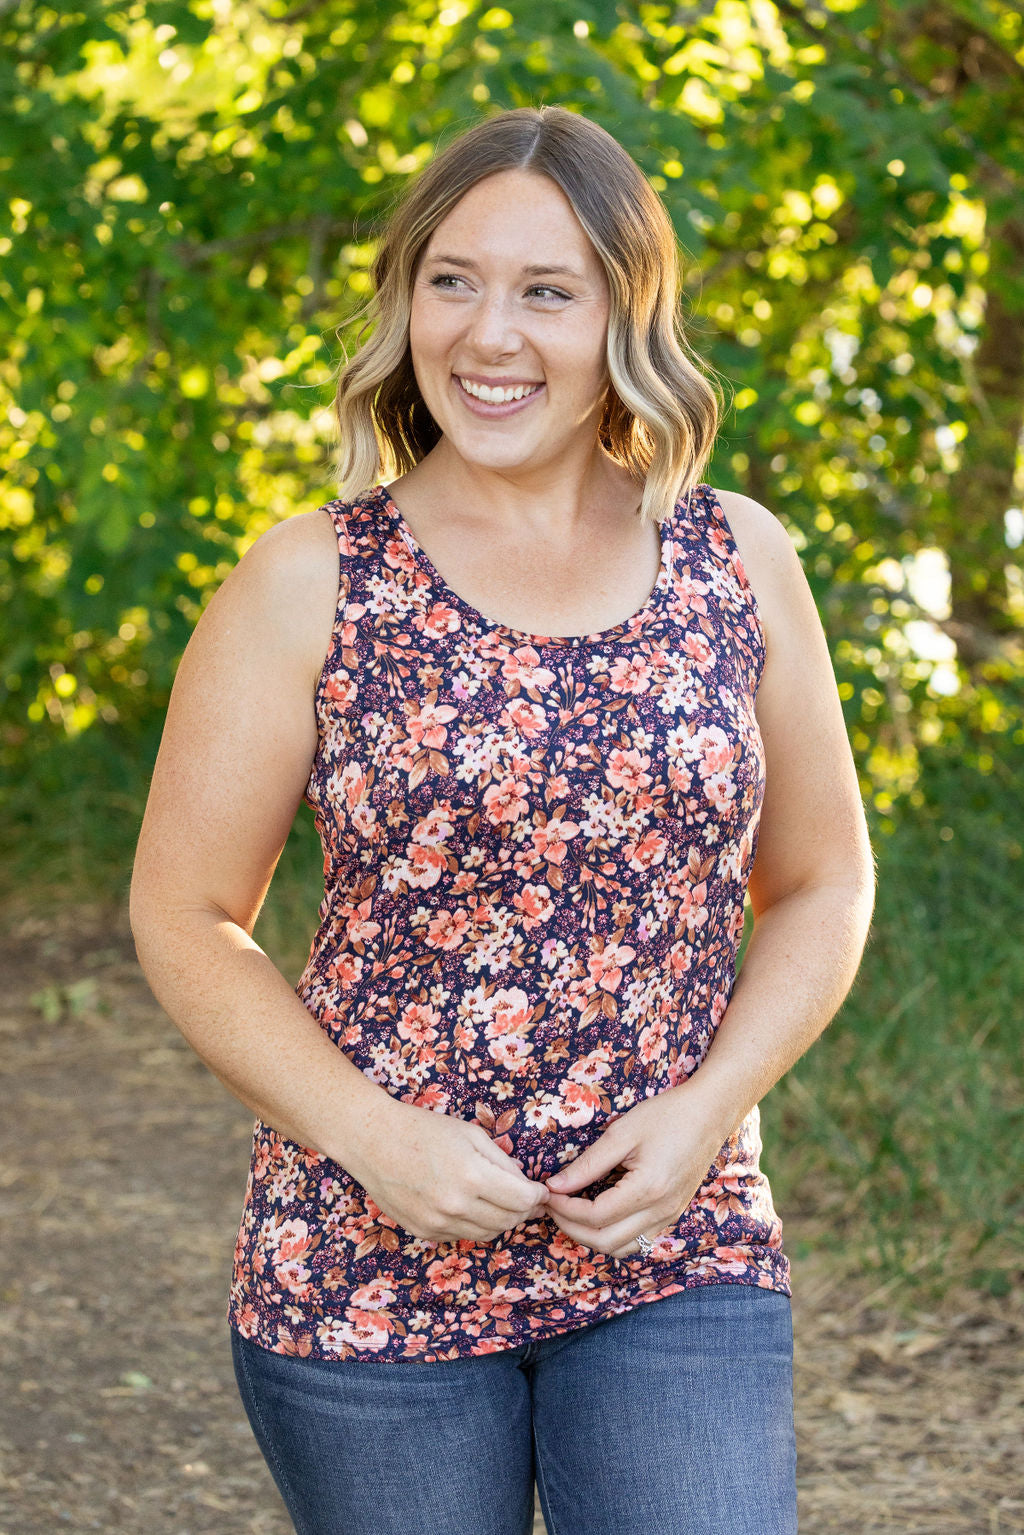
(765, 547)
(287, 585)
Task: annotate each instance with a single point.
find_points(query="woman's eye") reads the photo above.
(451, 282)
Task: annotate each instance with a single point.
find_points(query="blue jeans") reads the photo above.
(674, 1418)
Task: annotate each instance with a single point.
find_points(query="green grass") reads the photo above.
(895, 1140)
(904, 1120)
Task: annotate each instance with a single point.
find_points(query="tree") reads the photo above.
(193, 189)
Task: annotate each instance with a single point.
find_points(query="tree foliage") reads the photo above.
(191, 190)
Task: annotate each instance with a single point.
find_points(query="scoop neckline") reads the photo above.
(627, 627)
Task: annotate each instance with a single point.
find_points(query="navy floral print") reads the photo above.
(536, 851)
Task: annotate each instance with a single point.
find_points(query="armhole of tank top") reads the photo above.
(736, 565)
(336, 512)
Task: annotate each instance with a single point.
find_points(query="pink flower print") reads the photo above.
(291, 1240)
(690, 591)
(696, 646)
(679, 778)
(504, 802)
(434, 828)
(440, 619)
(358, 926)
(593, 1067)
(447, 929)
(464, 1036)
(606, 964)
(630, 675)
(432, 1097)
(538, 1114)
(417, 1023)
(523, 666)
(512, 1053)
(550, 840)
(649, 851)
(536, 905)
(448, 1273)
(365, 1329)
(417, 1343)
(562, 1247)
(591, 1300)
(353, 612)
(248, 1320)
(497, 1302)
(354, 784)
(731, 1260)
(714, 749)
(578, 1104)
(340, 688)
(426, 865)
(692, 910)
(292, 1276)
(375, 1296)
(628, 770)
(511, 1012)
(651, 1043)
(427, 725)
(720, 790)
(399, 556)
(529, 719)
(346, 969)
(364, 818)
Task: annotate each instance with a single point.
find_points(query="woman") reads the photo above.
(505, 1217)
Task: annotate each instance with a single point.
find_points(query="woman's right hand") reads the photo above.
(440, 1177)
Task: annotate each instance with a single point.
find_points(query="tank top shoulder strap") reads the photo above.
(359, 531)
(706, 519)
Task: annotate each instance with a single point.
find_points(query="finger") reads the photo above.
(509, 1165)
(618, 1240)
(483, 1222)
(599, 1158)
(618, 1204)
(508, 1190)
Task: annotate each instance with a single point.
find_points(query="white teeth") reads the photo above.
(497, 395)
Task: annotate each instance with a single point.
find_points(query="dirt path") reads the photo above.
(123, 1164)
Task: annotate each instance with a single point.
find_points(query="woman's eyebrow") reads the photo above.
(542, 269)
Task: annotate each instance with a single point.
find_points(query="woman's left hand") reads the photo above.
(666, 1145)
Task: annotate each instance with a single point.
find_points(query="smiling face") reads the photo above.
(509, 327)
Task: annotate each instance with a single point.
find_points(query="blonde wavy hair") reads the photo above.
(662, 410)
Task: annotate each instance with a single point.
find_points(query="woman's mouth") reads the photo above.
(496, 400)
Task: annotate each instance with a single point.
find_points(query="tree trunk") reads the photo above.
(982, 488)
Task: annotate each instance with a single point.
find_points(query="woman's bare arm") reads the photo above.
(234, 759)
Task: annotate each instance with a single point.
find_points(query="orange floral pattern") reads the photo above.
(535, 858)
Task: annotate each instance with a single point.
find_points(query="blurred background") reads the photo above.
(191, 191)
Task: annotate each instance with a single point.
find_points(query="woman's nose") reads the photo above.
(492, 328)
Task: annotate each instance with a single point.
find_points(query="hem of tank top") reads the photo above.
(629, 1299)
(765, 1259)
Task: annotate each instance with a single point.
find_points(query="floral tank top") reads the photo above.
(536, 851)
